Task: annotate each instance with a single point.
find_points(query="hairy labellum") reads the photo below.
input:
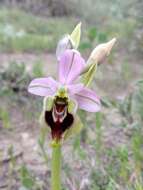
(58, 118)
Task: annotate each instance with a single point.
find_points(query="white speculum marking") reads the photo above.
(59, 112)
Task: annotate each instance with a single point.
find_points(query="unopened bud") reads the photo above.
(97, 55)
(101, 51)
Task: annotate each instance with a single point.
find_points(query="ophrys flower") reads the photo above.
(65, 96)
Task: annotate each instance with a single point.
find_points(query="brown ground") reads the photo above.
(24, 133)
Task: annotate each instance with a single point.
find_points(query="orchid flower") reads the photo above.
(63, 97)
(64, 93)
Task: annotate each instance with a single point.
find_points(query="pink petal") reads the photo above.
(74, 88)
(88, 100)
(43, 86)
(70, 66)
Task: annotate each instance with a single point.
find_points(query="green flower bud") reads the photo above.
(97, 56)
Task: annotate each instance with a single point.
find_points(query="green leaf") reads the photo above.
(26, 179)
(107, 103)
(92, 33)
(85, 45)
(4, 116)
(140, 82)
(98, 120)
(38, 69)
(102, 37)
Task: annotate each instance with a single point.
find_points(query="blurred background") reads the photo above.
(108, 154)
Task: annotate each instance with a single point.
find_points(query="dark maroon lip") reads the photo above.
(58, 118)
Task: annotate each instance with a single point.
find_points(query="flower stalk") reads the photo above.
(56, 167)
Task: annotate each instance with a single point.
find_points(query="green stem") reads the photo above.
(56, 167)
